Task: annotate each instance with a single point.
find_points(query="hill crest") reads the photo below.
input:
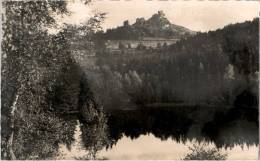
(158, 26)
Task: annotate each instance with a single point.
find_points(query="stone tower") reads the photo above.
(161, 13)
(126, 23)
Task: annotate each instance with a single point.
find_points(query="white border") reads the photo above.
(2, 13)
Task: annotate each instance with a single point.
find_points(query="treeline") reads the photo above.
(216, 68)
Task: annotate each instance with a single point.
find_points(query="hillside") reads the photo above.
(158, 26)
(216, 68)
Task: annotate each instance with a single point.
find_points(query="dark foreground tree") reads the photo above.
(28, 61)
(34, 65)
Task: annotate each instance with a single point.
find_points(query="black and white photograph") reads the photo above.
(129, 79)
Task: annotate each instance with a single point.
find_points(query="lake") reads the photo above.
(167, 133)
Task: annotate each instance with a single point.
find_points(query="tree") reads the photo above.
(159, 45)
(165, 45)
(33, 63)
(121, 46)
(129, 46)
(141, 46)
(27, 51)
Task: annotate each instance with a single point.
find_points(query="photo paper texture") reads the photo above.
(129, 80)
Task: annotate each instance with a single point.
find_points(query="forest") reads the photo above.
(214, 68)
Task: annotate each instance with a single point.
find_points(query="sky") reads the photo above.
(195, 15)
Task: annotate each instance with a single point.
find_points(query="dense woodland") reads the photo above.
(215, 68)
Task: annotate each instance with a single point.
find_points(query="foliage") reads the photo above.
(31, 58)
(35, 67)
(208, 68)
(97, 139)
(202, 152)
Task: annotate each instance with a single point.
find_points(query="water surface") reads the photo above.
(166, 133)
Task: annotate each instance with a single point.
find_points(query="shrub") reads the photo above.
(202, 152)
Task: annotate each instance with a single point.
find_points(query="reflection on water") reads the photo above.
(165, 133)
(89, 139)
(76, 149)
(224, 127)
(150, 147)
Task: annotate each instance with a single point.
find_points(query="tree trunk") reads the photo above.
(12, 119)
